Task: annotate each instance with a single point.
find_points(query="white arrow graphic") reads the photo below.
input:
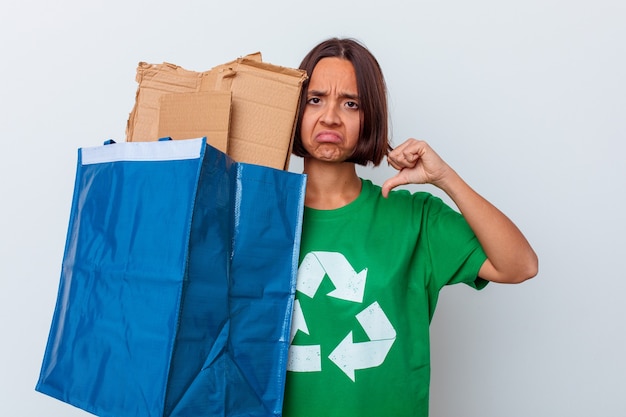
(297, 321)
(349, 356)
(349, 285)
(302, 358)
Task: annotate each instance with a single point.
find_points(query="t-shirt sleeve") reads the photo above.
(455, 253)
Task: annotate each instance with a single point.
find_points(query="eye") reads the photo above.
(352, 105)
(313, 100)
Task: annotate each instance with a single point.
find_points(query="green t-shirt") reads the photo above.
(369, 277)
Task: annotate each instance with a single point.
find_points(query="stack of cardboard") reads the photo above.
(246, 108)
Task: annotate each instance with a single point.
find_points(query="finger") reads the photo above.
(401, 159)
(394, 163)
(405, 155)
(392, 183)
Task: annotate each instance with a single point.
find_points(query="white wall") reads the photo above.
(526, 99)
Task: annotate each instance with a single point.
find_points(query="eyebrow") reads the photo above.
(322, 93)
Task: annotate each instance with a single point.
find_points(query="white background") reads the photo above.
(526, 99)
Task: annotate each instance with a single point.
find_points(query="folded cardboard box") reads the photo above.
(246, 108)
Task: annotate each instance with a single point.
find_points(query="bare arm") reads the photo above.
(510, 258)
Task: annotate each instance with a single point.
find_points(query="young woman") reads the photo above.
(373, 260)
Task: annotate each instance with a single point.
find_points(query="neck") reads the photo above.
(330, 185)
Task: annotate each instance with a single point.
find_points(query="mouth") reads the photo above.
(328, 137)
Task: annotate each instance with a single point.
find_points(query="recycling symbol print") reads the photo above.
(349, 286)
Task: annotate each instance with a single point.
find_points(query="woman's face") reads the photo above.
(331, 122)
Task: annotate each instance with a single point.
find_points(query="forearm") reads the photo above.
(509, 255)
(511, 259)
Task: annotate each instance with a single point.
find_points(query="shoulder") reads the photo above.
(399, 197)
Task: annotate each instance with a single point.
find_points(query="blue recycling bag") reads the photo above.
(177, 284)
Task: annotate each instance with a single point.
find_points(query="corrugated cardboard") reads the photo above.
(206, 114)
(263, 111)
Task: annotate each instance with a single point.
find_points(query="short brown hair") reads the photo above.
(373, 142)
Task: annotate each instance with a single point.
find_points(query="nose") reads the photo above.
(330, 116)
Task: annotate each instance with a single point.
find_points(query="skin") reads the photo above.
(330, 131)
(330, 128)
